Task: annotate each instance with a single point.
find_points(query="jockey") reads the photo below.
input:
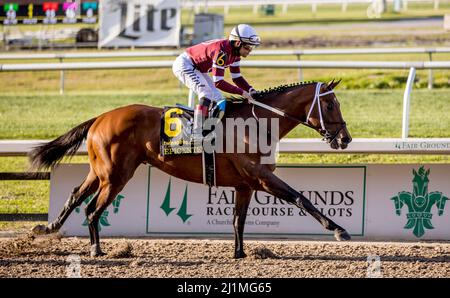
(192, 68)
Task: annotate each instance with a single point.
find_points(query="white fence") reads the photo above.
(298, 53)
(293, 52)
(293, 145)
(247, 64)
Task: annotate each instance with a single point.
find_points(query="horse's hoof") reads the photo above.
(240, 255)
(342, 235)
(40, 230)
(96, 251)
(97, 254)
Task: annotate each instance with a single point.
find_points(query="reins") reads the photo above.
(325, 133)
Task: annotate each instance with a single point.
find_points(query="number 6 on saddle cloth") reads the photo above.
(177, 126)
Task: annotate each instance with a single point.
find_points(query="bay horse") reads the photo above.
(119, 140)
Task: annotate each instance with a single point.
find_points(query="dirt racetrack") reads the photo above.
(53, 256)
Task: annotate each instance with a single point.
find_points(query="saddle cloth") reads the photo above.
(176, 130)
(175, 139)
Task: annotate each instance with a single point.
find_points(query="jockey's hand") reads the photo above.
(247, 97)
(252, 91)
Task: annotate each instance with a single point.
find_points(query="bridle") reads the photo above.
(327, 136)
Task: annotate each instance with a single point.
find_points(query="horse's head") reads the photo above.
(420, 181)
(324, 115)
(313, 104)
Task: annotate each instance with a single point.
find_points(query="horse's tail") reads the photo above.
(50, 154)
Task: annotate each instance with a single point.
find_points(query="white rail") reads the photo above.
(120, 54)
(248, 63)
(293, 52)
(298, 53)
(292, 145)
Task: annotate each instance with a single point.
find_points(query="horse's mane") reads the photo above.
(283, 88)
(278, 89)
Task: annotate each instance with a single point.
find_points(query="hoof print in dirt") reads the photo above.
(262, 252)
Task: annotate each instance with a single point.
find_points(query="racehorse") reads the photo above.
(120, 140)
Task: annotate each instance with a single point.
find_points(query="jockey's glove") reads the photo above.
(252, 91)
(247, 97)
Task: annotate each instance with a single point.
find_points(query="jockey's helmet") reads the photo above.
(245, 34)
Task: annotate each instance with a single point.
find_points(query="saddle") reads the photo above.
(175, 137)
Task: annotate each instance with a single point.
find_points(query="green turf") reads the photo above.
(25, 196)
(369, 113)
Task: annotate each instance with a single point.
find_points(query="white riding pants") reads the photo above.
(200, 83)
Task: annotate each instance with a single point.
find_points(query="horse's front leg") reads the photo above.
(243, 197)
(277, 187)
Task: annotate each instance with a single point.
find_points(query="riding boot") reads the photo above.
(215, 114)
(200, 115)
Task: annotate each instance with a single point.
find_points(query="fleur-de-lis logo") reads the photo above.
(104, 217)
(419, 203)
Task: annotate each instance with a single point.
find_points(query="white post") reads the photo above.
(255, 9)
(226, 9)
(40, 36)
(61, 79)
(285, 8)
(436, 4)
(300, 73)
(191, 102)
(406, 102)
(397, 5)
(344, 6)
(430, 73)
(314, 8)
(405, 5)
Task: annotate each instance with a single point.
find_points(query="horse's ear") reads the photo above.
(331, 85)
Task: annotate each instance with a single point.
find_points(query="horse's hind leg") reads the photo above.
(113, 178)
(78, 195)
(90, 207)
(94, 210)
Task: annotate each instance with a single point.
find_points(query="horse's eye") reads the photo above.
(330, 106)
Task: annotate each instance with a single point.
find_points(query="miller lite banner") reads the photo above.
(384, 202)
(139, 23)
